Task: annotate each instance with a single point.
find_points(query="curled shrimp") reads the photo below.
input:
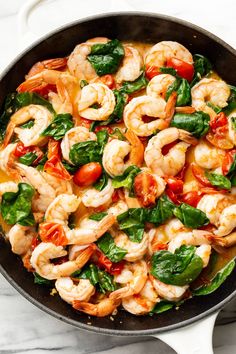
(70, 292)
(167, 291)
(210, 91)
(227, 221)
(145, 106)
(212, 205)
(226, 241)
(52, 64)
(118, 208)
(131, 66)
(74, 136)
(116, 151)
(208, 156)
(20, 238)
(134, 275)
(100, 94)
(171, 163)
(103, 308)
(159, 84)
(162, 51)
(94, 198)
(29, 136)
(188, 237)
(135, 250)
(59, 185)
(44, 252)
(59, 210)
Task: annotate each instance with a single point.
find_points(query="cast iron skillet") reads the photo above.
(135, 27)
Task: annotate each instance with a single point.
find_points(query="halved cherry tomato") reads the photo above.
(104, 262)
(192, 198)
(183, 69)
(103, 127)
(175, 184)
(53, 232)
(199, 174)
(151, 71)
(108, 80)
(145, 188)
(53, 165)
(220, 120)
(21, 150)
(175, 198)
(219, 132)
(227, 161)
(87, 174)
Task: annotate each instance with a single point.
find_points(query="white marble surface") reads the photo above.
(23, 327)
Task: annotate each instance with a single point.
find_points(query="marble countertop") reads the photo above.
(23, 327)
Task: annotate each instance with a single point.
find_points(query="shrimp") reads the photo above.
(204, 252)
(116, 151)
(100, 94)
(145, 106)
(7, 161)
(208, 156)
(8, 187)
(69, 292)
(167, 291)
(193, 238)
(226, 241)
(227, 221)
(134, 275)
(58, 211)
(131, 66)
(162, 51)
(59, 185)
(159, 84)
(74, 136)
(94, 198)
(78, 64)
(29, 136)
(55, 63)
(143, 302)
(44, 252)
(135, 250)
(174, 161)
(118, 208)
(103, 308)
(20, 238)
(212, 205)
(210, 90)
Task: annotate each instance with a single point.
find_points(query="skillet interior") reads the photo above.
(135, 27)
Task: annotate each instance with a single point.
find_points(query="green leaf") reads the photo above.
(41, 281)
(59, 126)
(168, 70)
(134, 86)
(218, 180)
(89, 272)
(233, 121)
(106, 282)
(162, 306)
(196, 123)
(28, 124)
(28, 158)
(181, 86)
(190, 216)
(161, 212)
(127, 179)
(132, 223)
(70, 168)
(85, 152)
(102, 182)
(16, 207)
(98, 216)
(231, 101)
(102, 139)
(106, 58)
(179, 268)
(216, 282)
(109, 248)
(83, 83)
(117, 133)
(215, 108)
(202, 67)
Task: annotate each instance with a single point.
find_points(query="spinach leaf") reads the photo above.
(59, 126)
(16, 207)
(105, 58)
(168, 70)
(70, 168)
(216, 282)
(218, 180)
(179, 268)
(231, 101)
(28, 124)
(132, 223)
(102, 182)
(106, 282)
(233, 121)
(98, 216)
(41, 281)
(109, 248)
(202, 67)
(161, 212)
(127, 179)
(117, 133)
(190, 216)
(134, 86)
(215, 108)
(162, 306)
(196, 123)
(181, 86)
(102, 138)
(28, 158)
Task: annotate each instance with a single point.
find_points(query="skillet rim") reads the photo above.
(31, 299)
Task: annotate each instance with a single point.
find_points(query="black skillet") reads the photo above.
(141, 27)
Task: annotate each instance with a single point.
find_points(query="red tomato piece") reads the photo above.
(87, 174)
(151, 71)
(109, 81)
(175, 184)
(199, 174)
(218, 121)
(145, 188)
(53, 232)
(172, 196)
(183, 69)
(21, 150)
(192, 198)
(227, 161)
(53, 165)
(166, 148)
(85, 122)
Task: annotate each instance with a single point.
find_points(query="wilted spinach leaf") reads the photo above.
(59, 126)
(98, 216)
(218, 180)
(127, 179)
(28, 158)
(134, 86)
(181, 86)
(162, 306)
(202, 67)
(41, 281)
(196, 123)
(109, 248)
(190, 216)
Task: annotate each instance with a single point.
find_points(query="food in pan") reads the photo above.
(118, 175)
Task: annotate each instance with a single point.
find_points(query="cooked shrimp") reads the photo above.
(103, 308)
(143, 302)
(7, 161)
(100, 94)
(69, 292)
(212, 205)
(29, 136)
(74, 136)
(131, 66)
(174, 161)
(52, 64)
(20, 238)
(44, 252)
(63, 205)
(134, 275)
(78, 64)
(208, 156)
(193, 238)
(210, 90)
(227, 221)
(145, 106)
(60, 186)
(226, 241)
(135, 250)
(8, 187)
(204, 252)
(94, 198)
(167, 291)
(162, 51)
(118, 208)
(159, 84)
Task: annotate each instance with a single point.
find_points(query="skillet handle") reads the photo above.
(193, 339)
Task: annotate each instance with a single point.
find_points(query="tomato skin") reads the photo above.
(53, 165)
(218, 121)
(109, 81)
(227, 161)
(151, 71)
(172, 196)
(218, 134)
(175, 184)
(198, 173)
(53, 232)
(145, 188)
(87, 174)
(192, 198)
(183, 69)
(104, 262)
(159, 247)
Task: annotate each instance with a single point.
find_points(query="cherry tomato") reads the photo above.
(104, 262)
(87, 174)
(227, 161)
(108, 80)
(151, 71)
(103, 127)
(175, 184)
(192, 198)
(199, 174)
(53, 165)
(53, 232)
(183, 69)
(218, 121)
(145, 188)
